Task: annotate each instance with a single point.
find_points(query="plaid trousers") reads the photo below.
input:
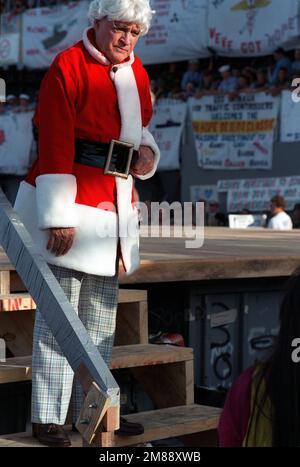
(95, 299)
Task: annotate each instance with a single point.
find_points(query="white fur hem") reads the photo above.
(55, 195)
(94, 250)
(148, 140)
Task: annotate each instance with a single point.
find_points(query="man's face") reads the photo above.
(116, 39)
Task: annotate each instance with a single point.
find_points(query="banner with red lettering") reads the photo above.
(48, 31)
(251, 27)
(178, 32)
(235, 134)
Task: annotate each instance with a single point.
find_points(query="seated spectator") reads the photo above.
(169, 81)
(262, 409)
(236, 72)
(296, 62)
(192, 75)
(250, 73)
(11, 102)
(229, 83)
(296, 216)
(208, 86)
(282, 61)
(243, 87)
(280, 220)
(281, 84)
(24, 103)
(261, 83)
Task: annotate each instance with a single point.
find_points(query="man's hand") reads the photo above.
(60, 240)
(144, 162)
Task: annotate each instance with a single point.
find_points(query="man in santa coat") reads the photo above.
(77, 201)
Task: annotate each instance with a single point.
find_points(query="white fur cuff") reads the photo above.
(148, 140)
(55, 198)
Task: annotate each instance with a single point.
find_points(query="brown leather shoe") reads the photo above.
(51, 434)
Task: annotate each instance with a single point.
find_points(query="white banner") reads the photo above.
(289, 119)
(9, 48)
(178, 32)
(255, 194)
(167, 126)
(234, 135)
(48, 31)
(15, 143)
(251, 27)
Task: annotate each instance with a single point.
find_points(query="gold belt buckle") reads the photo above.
(119, 159)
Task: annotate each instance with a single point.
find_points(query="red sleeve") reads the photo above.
(147, 110)
(56, 112)
(233, 422)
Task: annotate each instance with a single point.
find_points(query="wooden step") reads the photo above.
(10, 301)
(158, 424)
(126, 356)
(17, 320)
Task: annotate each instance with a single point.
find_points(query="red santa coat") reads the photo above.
(82, 97)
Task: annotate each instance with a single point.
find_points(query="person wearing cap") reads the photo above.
(192, 75)
(24, 100)
(77, 201)
(281, 61)
(229, 83)
(11, 102)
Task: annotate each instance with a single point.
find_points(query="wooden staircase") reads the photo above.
(165, 371)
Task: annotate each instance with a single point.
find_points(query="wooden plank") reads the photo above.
(171, 422)
(17, 331)
(131, 356)
(92, 412)
(23, 301)
(158, 424)
(68, 330)
(132, 296)
(16, 302)
(226, 254)
(11, 374)
(132, 323)
(4, 282)
(168, 385)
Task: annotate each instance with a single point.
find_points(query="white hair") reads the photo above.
(130, 11)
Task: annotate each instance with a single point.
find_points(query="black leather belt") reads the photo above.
(114, 157)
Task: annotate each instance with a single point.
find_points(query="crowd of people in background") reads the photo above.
(17, 103)
(272, 75)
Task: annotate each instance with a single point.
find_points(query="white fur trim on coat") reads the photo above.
(55, 194)
(128, 224)
(148, 140)
(129, 105)
(92, 252)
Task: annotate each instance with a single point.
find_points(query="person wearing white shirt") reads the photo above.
(280, 220)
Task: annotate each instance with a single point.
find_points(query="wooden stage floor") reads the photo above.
(225, 254)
